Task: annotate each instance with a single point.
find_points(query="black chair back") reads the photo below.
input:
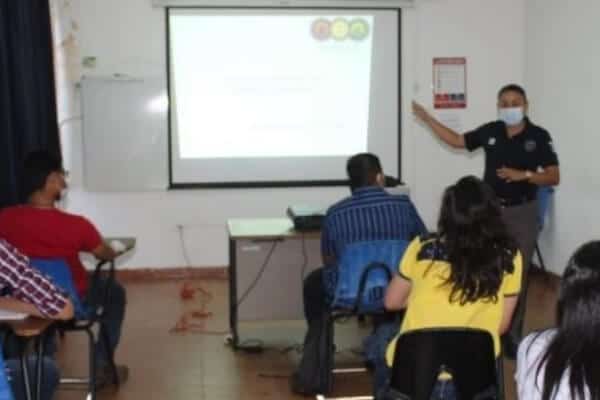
(467, 354)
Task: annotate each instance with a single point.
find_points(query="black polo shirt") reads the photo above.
(529, 150)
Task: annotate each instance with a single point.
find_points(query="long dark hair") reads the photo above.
(576, 345)
(477, 244)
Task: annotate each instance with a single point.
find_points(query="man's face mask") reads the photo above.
(511, 116)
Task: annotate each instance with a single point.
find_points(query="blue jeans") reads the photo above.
(375, 346)
(444, 390)
(15, 377)
(114, 314)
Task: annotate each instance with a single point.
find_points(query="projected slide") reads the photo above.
(262, 86)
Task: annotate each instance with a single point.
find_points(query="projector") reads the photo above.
(306, 218)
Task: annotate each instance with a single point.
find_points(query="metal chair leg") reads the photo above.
(539, 255)
(500, 375)
(25, 371)
(40, 367)
(92, 364)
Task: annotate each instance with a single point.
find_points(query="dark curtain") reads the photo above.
(28, 118)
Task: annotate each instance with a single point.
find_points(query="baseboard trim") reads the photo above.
(171, 274)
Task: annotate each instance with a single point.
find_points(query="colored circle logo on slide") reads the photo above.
(359, 29)
(340, 29)
(321, 29)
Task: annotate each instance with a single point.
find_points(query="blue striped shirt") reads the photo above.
(369, 214)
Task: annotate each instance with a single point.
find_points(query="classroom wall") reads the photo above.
(129, 37)
(562, 64)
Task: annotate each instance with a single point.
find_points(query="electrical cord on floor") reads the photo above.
(255, 345)
(184, 252)
(194, 321)
(250, 288)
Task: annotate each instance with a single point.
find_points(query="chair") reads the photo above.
(364, 272)
(467, 354)
(88, 314)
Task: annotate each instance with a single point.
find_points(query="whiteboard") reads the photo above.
(125, 130)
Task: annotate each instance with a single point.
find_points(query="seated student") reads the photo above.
(31, 293)
(370, 213)
(564, 362)
(468, 274)
(40, 230)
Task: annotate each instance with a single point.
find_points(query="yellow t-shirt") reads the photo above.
(429, 303)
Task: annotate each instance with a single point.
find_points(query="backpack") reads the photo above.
(314, 374)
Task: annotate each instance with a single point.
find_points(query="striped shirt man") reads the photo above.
(369, 214)
(27, 284)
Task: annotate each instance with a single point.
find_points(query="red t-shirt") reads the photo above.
(51, 233)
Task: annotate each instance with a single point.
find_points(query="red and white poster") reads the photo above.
(450, 82)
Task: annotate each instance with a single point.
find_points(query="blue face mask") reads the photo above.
(511, 116)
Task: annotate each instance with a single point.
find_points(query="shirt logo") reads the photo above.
(530, 145)
(492, 141)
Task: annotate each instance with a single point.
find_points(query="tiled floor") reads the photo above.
(198, 366)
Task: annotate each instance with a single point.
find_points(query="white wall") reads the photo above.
(490, 34)
(128, 36)
(562, 66)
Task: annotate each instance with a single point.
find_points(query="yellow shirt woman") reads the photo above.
(425, 270)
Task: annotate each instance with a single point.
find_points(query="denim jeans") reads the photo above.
(375, 346)
(444, 390)
(15, 378)
(114, 314)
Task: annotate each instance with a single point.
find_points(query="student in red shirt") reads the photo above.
(40, 230)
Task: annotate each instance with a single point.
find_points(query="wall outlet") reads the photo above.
(88, 62)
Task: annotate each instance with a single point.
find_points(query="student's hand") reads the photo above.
(511, 175)
(420, 111)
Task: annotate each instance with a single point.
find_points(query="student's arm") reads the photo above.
(399, 288)
(12, 304)
(447, 135)
(510, 303)
(31, 292)
(104, 252)
(92, 242)
(511, 288)
(397, 294)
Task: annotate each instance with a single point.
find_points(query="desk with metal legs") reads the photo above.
(268, 260)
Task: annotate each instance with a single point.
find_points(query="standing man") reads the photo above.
(519, 157)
